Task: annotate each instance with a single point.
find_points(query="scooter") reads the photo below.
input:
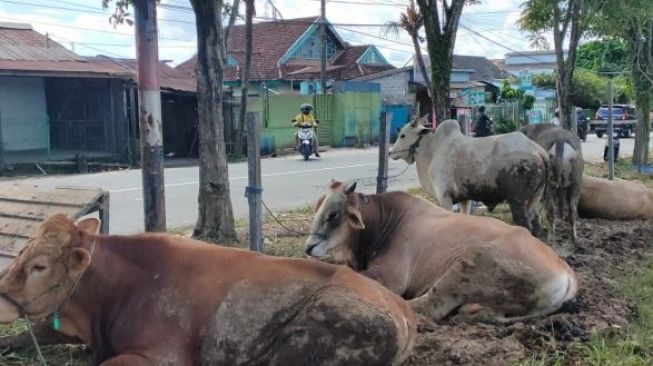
(583, 124)
(305, 137)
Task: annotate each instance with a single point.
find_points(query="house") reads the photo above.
(472, 83)
(286, 56)
(535, 62)
(56, 104)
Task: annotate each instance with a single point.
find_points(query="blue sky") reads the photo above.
(83, 24)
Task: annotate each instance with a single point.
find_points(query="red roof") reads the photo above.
(271, 40)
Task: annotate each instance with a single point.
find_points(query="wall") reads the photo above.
(277, 112)
(23, 116)
(394, 88)
(460, 76)
(356, 113)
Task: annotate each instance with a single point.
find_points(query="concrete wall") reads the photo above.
(23, 114)
(394, 88)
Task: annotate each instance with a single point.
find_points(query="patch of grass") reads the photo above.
(623, 168)
(633, 346)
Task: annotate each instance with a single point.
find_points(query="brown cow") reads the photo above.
(164, 300)
(442, 260)
(616, 199)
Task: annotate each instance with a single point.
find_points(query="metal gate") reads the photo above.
(325, 113)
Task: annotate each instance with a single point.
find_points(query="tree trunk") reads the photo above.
(215, 218)
(640, 48)
(421, 65)
(441, 39)
(565, 68)
(244, 88)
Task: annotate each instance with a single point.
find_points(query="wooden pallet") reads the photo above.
(23, 208)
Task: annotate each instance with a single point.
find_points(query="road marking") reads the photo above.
(193, 182)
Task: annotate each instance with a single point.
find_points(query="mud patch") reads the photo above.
(604, 252)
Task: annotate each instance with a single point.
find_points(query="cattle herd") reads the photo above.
(156, 299)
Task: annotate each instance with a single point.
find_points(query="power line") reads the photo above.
(90, 29)
(89, 47)
(520, 53)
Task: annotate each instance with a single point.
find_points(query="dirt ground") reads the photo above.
(604, 252)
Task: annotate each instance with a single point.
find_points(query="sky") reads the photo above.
(488, 29)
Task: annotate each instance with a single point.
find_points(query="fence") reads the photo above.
(82, 135)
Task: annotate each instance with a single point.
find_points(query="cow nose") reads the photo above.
(309, 249)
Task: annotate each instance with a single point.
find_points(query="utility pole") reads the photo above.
(149, 98)
(323, 43)
(610, 132)
(382, 177)
(254, 189)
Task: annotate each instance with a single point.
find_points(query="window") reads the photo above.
(311, 48)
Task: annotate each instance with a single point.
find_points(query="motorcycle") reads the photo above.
(305, 137)
(583, 125)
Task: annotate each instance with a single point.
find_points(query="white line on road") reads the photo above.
(192, 182)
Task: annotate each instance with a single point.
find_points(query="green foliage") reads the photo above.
(504, 125)
(527, 102)
(610, 53)
(507, 92)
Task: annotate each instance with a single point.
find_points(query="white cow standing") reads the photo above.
(454, 168)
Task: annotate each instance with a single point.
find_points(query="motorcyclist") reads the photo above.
(307, 119)
(482, 124)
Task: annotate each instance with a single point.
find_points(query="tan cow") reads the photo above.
(440, 260)
(616, 199)
(454, 168)
(165, 300)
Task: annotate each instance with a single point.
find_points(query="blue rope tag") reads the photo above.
(249, 190)
(55, 321)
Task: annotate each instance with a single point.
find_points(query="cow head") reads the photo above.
(335, 213)
(44, 273)
(408, 140)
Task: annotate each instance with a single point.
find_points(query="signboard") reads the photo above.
(525, 80)
(475, 97)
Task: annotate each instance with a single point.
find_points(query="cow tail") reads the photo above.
(548, 185)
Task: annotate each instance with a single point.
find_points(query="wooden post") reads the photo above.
(382, 177)
(2, 148)
(104, 214)
(610, 132)
(149, 99)
(254, 189)
(323, 43)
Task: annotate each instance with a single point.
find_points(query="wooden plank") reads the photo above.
(10, 246)
(18, 227)
(34, 211)
(63, 196)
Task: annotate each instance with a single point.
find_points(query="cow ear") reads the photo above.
(355, 218)
(351, 188)
(424, 131)
(89, 226)
(78, 260)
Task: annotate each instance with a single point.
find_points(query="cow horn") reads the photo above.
(351, 188)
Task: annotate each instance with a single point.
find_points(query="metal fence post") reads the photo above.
(384, 144)
(610, 133)
(254, 189)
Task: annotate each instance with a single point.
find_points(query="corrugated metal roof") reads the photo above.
(169, 78)
(20, 43)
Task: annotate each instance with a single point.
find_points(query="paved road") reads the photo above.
(289, 183)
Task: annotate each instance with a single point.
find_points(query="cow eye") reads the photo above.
(332, 216)
(402, 136)
(38, 268)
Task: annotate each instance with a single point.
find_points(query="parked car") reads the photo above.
(624, 120)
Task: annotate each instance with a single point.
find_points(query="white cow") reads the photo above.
(454, 168)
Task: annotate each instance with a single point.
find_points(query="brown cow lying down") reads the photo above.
(164, 300)
(442, 260)
(615, 199)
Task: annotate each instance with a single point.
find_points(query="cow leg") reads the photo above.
(572, 199)
(520, 215)
(127, 360)
(466, 207)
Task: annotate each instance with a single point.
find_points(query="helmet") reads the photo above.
(305, 107)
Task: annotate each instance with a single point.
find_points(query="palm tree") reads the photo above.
(412, 22)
